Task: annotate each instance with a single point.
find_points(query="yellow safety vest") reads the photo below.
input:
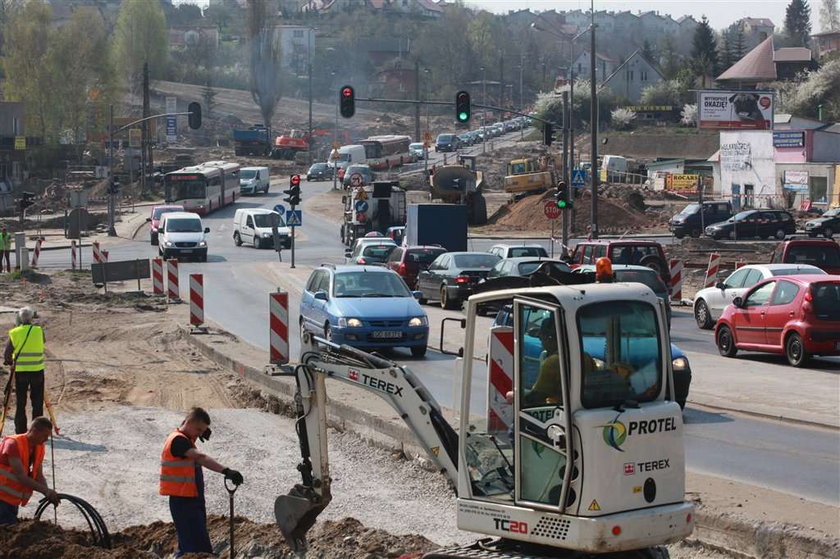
(29, 356)
(5, 241)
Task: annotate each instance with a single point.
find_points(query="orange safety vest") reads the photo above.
(177, 475)
(11, 490)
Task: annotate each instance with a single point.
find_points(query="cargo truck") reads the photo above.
(372, 208)
(253, 141)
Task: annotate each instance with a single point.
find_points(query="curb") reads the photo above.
(762, 540)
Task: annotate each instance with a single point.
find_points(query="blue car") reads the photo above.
(364, 307)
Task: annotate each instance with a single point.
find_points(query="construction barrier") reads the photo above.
(712, 270)
(98, 255)
(157, 276)
(278, 307)
(37, 253)
(196, 299)
(499, 411)
(676, 279)
(172, 291)
(740, 263)
(73, 258)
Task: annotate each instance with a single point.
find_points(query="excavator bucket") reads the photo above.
(296, 513)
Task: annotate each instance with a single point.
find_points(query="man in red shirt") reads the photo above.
(21, 471)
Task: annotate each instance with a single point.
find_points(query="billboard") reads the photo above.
(735, 110)
(789, 139)
(796, 181)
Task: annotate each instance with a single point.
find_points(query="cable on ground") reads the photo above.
(98, 530)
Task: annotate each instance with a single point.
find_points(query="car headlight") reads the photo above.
(266, 235)
(168, 243)
(679, 364)
(349, 323)
(202, 243)
(419, 321)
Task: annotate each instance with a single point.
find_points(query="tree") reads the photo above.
(739, 45)
(263, 59)
(829, 16)
(670, 61)
(140, 37)
(704, 56)
(798, 22)
(818, 89)
(725, 51)
(649, 52)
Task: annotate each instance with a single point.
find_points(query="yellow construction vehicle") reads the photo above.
(530, 175)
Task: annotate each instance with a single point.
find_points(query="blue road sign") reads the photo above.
(361, 206)
(294, 218)
(578, 177)
(280, 208)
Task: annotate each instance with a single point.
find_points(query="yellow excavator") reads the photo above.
(530, 176)
(569, 442)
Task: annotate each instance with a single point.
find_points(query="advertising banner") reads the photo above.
(681, 182)
(735, 110)
(788, 139)
(171, 121)
(796, 181)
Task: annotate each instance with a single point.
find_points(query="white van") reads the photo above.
(253, 180)
(182, 235)
(252, 226)
(352, 154)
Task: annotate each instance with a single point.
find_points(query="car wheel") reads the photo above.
(653, 262)
(702, 315)
(679, 235)
(726, 342)
(237, 240)
(256, 242)
(447, 302)
(418, 351)
(695, 233)
(828, 232)
(795, 350)
(780, 234)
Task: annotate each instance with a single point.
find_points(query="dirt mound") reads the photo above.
(346, 538)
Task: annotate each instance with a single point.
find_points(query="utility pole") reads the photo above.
(417, 98)
(111, 195)
(483, 111)
(567, 111)
(309, 73)
(501, 79)
(144, 141)
(593, 118)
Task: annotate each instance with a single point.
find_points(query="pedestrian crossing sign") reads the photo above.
(294, 218)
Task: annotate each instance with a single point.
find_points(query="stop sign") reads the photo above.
(551, 210)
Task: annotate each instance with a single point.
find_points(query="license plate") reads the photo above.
(386, 334)
(186, 252)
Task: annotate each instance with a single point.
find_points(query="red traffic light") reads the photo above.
(347, 92)
(295, 180)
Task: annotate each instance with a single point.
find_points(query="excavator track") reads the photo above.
(489, 548)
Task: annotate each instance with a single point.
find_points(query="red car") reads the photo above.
(154, 219)
(798, 316)
(408, 261)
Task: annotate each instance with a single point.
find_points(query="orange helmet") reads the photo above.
(603, 269)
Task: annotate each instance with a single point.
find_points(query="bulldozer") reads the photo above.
(530, 176)
(461, 183)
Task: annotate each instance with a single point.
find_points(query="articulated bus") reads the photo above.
(203, 188)
(385, 152)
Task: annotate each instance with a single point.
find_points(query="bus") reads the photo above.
(386, 152)
(204, 187)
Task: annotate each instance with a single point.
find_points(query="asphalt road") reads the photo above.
(795, 459)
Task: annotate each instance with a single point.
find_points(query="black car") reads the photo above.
(447, 142)
(524, 266)
(690, 221)
(754, 223)
(452, 276)
(319, 172)
(826, 225)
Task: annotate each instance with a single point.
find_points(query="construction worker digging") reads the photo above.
(25, 355)
(182, 480)
(21, 472)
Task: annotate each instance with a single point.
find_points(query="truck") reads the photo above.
(567, 440)
(254, 141)
(461, 183)
(437, 224)
(374, 207)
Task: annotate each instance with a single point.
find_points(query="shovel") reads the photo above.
(231, 491)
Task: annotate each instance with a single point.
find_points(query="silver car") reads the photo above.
(710, 302)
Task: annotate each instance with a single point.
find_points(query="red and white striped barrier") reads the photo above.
(278, 338)
(676, 279)
(739, 263)
(98, 254)
(157, 276)
(172, 291)
(712, 270)
(37, 253)
(499, 411)
(73, 258)
(196, 299)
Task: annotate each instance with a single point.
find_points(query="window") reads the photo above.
(629, 75)
(370, 284)
(249, 222)
(785, 293)
(826, 300)
(761, 295)
(297, 33)
(736, 279)
(396, 255)
(753, 278)
(643, 75)
(314, 280)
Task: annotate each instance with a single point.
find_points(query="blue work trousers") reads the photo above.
(8, 513)
(190, 517)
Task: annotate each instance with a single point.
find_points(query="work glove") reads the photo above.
(206, 435)
(233, 476)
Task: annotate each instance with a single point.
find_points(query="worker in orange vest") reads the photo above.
(182, 480)
(21, 460)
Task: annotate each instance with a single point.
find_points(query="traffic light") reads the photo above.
(347, 101)
(26, 200)
(114, 185)
(562, 198)
(462, 106)
(293, 192)
(195, 115)
(548, 133)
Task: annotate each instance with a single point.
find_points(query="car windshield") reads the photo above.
(318, 167)
(160, 211)
(826, 300)
(264, 220)
(247, 174)
(689, 209)
(445, 137)
(516, 252)
(832, 213)
(377, 253)
(649, 278)
(526, 268)
(415, 146)
(183, 225)
(423, 255)
(475, 260)
(797, 271)
(358, 169)
(620, 352)
(369, 284)
(820, 256)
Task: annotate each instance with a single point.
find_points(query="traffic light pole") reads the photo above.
(566, 175)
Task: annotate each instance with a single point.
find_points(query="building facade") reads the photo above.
(632, 77)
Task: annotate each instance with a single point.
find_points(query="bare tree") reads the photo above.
(263, 57)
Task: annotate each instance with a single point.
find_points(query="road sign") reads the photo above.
(356, 179)
(551, 210)
(280, 208)
(361, 206)
(578, 177)
(294, 218)
(336, 145)
(171, 121)
(361, 194)
(335, 156)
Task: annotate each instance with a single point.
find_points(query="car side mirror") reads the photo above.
(149, 219)
(738, 302)
(347, 252)
(344, 199)
(206, 229)
(417, 294)
(321, 295)
(720, 285)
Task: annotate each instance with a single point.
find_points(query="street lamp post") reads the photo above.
(483, 111)
(335, 138)
(309, 33)
(593, 117)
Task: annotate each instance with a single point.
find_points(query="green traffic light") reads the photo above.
(463, 116)
(561, 204)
